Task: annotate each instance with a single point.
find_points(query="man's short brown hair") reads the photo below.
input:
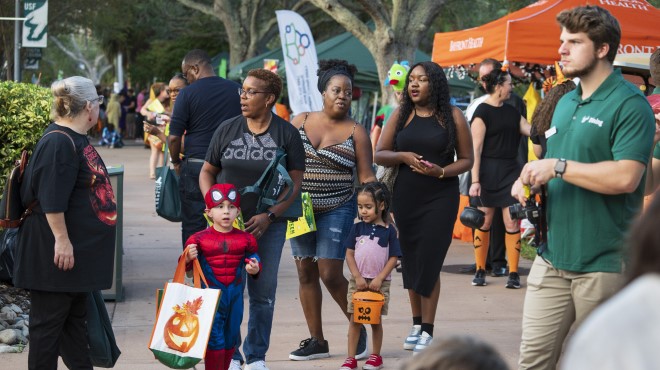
(654, 67)
(598, 23)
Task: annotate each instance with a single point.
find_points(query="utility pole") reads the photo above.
(17, 43)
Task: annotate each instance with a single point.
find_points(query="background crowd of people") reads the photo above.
(582, 134)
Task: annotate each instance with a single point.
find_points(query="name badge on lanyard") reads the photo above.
(550, 132)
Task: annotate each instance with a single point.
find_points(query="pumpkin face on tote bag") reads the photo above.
(184, 319)
(182, 329)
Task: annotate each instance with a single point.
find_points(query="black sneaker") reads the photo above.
(362, 349)
(479, 278)
(498, 271)
(310, 349)
(514, 281)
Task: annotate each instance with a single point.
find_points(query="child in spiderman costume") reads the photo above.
(222, 252)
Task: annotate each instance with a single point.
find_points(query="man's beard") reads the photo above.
(586, 70)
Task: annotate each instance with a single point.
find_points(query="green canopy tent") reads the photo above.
(345, 46)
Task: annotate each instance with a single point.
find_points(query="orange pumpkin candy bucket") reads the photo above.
(367, 306)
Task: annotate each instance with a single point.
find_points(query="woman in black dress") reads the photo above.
(422, 137)
(496, 129)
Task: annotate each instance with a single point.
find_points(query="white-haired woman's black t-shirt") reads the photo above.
(74, 182)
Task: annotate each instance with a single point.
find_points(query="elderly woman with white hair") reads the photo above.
(65, 248)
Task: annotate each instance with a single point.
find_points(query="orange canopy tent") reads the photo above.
(531, 35)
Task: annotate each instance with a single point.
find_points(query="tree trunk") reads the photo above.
(249, 24)
(95, 67)
(397, 28)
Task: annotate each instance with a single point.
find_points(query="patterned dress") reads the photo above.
(328, 173)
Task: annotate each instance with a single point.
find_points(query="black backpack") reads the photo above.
(12, 210)
(271, 184)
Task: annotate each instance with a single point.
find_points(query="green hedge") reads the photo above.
(24, 115)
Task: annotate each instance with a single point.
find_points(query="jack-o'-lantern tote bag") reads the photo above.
(184, 319)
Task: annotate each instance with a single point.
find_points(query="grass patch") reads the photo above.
(527, 252)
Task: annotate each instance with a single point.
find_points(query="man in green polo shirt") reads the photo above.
(598, 147)
(653, 169)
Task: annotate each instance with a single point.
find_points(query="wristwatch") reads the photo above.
(560, 168)
(271, 216)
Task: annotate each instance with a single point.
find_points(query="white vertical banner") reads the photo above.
(35, 26)
(300, 62)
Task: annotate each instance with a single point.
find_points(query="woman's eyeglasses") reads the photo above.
(100, 99)
(172, 91)
(251, 93)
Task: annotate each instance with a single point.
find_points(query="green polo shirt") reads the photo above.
(586, 229)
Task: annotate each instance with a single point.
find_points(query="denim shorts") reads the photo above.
(327, 241)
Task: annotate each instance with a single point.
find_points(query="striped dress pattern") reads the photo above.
(328, 176)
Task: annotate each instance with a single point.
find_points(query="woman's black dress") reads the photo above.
(425, 207)
(499, 167)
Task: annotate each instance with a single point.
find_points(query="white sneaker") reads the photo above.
(424, 341)
(413, 337)
(257, 365)
(235, 365)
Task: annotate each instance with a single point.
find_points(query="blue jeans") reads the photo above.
(262, 295)
(192, 200)
(327, 241)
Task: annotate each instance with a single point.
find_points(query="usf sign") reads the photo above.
(35, 26)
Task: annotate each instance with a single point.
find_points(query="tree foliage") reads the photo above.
(62, 14)
(24, 114)
(83, 50)
(249, 24)
(167, 32)
(398, 26)
(153, 35)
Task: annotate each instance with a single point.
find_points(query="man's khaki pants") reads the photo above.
(556, 299)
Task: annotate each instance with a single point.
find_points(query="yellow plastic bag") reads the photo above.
(306, 223)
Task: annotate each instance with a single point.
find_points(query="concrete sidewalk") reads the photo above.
(152, 246)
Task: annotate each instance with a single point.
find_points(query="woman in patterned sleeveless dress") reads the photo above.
(422, 137)
(336, 147)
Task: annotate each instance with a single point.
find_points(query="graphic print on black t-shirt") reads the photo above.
(100, 191)
(251, 148)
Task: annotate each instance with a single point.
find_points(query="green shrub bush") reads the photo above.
(24, 115)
